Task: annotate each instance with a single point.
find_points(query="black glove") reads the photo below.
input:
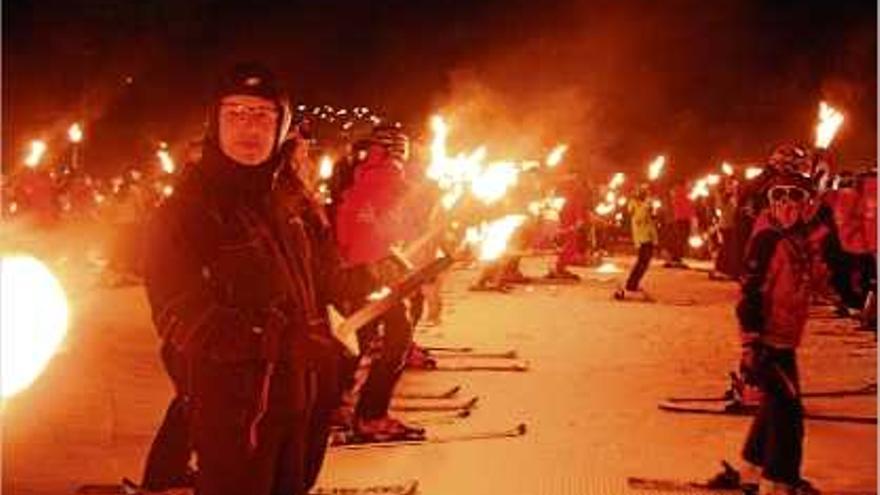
(753, 354)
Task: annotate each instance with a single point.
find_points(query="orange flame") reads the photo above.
(656, 168)
(38, 149)
(491, 238)
(555, 156)
(830, 121)
(75, 133)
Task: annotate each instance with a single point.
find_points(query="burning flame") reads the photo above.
(325, 169)
(752, 172)
(830, 121)
(695, 241)
(75, 133)
(617, 181)
(488, 183)
(656, 204)
(33, 321)
(38, 148)
(713, 179)
(492, 238)
(165, 160)
(492, 183)
(554, 158)
(656, 167)
(603, 209)
(608, 267)
(700, 189)
(727, 168)
(167, 190)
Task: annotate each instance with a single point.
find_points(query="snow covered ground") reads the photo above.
(598, 368)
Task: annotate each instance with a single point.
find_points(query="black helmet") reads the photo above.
(253, 79)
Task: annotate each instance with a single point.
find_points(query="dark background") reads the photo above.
(702, 81)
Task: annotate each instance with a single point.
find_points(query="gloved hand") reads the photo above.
(750, 361)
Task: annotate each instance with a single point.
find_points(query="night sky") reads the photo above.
(702, 81)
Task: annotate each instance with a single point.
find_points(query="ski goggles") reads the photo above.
(792, 193)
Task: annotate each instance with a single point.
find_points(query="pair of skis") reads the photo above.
(730, 403)
(351, 441)
(129, 487)
(438, 355)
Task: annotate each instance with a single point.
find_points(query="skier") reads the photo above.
(772, 314)
(370, 219)
(644, 234)
(238, 277)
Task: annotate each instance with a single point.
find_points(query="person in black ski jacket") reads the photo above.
(239, 274)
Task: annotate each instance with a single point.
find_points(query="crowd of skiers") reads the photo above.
(243, 260)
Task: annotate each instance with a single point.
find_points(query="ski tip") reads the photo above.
(471, 403)
(521, 429)
(464, 413)
(452, 391)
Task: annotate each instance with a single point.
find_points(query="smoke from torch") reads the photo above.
(830, 121)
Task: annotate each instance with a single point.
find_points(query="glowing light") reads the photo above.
(604, 209)
(621, 201)
(610, 197)
(617, 181)
(325, 169)
(492, 238)
(752, 172)
(555, 156)
(33, 321)
(38, 149)
(656, 167)
(700, 189)
(75, 133)
(727, 168)
(165, 160)
(167, 190)
(830, 121)
(656, 204)
(695, 241)
(608, 267)
(713, 179)
(491, 184)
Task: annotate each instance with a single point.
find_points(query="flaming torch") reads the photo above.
(830, 121)
(554, 158)
(656, 168)
(492, 238)
(38, 149)
(75, 135)
(165, 159)
(33, 321)
(727, 168)
(325, 169)
(752, 172)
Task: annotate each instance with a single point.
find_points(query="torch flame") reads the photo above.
(656, 167)
(491, 184)
(695, 241)
(33, 321)
(617, 180)
(554, 158)
(325, 170)
(165, 159)
(492, 238)
(830, 121)
(752, 172)
(727, 168)
(38, 148)
(75, 133)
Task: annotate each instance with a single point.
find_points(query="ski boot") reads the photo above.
(562, 275)
(420, 359)
(730, 479)
(385, 429)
